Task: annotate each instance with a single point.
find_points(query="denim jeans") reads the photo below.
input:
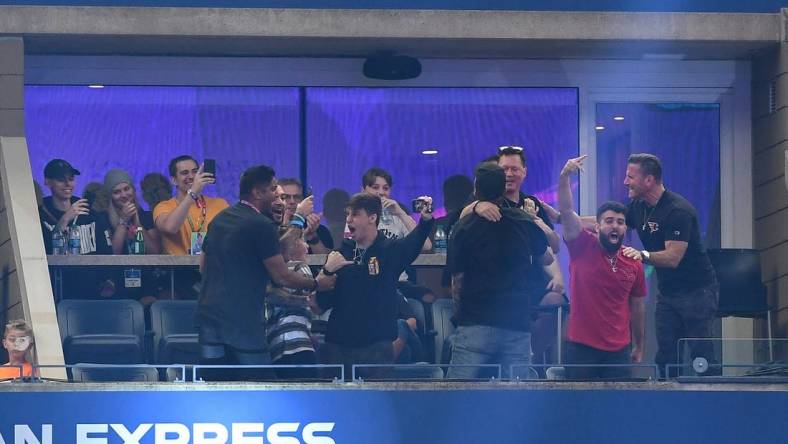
(482, 344)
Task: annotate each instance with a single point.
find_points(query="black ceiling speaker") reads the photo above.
(389, 66)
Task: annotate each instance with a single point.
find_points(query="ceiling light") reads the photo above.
(430, 152)
(96, 86)
(599, 127)
(619, 118)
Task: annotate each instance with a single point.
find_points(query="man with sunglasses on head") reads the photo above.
(316, 235)
(545, 285)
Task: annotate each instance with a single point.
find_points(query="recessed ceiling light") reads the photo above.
(599, 127)
(619, 118)
(96, 86)
(430, 152)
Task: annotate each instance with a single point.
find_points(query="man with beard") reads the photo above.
(241, 255)
(608, 289)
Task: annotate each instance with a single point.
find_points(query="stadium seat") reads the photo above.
(114, 374)
(175, 339)
(102, 332)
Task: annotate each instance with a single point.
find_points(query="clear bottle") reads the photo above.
(58, 242)
(386, 217)
(441, 243)
(138, 246)
(74, 240)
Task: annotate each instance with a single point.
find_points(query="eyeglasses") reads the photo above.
(296, 197)
(510, 148)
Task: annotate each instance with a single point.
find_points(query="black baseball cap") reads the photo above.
(59, 169)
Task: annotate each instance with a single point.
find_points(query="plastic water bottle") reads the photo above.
(138, 246)
(386, 218)
(58, 242)
(440, 240)
(74, 240)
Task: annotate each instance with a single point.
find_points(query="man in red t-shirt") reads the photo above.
(608, 289)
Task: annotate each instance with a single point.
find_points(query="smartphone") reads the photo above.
(209, 166)
(418, 204)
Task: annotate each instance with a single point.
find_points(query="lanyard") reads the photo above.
(203, 206)
(248, 204)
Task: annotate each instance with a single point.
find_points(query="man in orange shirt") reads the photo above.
(186, 216)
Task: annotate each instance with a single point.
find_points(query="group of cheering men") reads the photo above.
(496, 249)
(501, 262)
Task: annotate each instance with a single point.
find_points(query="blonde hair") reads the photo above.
(21, 325)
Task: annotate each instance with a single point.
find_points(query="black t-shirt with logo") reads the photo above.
(230, 309)
(94, 228)
(673, 219)
(494, 257)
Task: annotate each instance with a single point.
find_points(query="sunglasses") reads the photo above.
(510, 148)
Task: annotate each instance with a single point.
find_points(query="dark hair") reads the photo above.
(155, 188)
(511, 152)
(490, 181)
(367, 202)
(255, 176)
(649, 164)
(290, 181)
(368, 179)
(174, 162)
(457, 191)
(611, 205)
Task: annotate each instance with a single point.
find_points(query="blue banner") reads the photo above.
(309, 415)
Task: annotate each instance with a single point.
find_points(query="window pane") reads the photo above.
(140, 129)
(686, 137)
(352, 129)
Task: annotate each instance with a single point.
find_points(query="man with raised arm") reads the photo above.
(608, 289)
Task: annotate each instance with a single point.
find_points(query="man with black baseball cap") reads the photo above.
(63, 210)
(488, 262)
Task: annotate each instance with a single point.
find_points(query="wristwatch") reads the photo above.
(314, 241)
(645, 255)
(328, 273)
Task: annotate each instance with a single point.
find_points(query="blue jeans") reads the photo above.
(482, 344)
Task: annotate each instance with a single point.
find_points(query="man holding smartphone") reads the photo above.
(185, 218)
(316, 235)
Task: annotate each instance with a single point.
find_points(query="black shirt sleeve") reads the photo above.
(537, 240)
(678, 226)
(103, 233)
(405, 312)
(407, 249)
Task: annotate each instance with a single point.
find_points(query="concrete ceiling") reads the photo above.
(359, 33)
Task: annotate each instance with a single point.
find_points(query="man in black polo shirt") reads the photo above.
(240, 255)
(365, 302)
(488, 262)
(667, 225)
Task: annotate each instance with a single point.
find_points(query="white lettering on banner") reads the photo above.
(127, 436)
(217, 432)
(308, 434)
(240, 430)
(282, 427)
(83, 430)
(24, 435)
(176, 433)
(164, 432)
